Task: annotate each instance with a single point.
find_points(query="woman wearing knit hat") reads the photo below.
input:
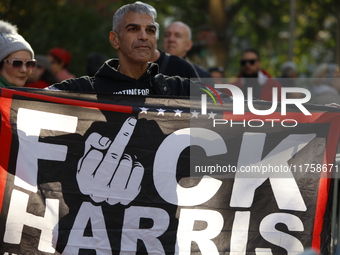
(16, 58)
(60, 60)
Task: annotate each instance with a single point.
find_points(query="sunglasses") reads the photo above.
(17, 63)
(250, 61)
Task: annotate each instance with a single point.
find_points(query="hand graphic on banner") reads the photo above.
(105, 172)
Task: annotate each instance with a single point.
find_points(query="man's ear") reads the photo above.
(114, 40)
(189, 45)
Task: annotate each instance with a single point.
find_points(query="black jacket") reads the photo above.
(202, 73)
(172, 65)
(107, 80)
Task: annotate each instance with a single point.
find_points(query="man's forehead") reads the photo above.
(138, 19)
(177, 28)
(249, 55)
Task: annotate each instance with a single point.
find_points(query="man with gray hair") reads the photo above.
(133, 35)
(177, 41)
(289, 75)
(170, 64)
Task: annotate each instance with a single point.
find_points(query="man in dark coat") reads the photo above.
(134, 37)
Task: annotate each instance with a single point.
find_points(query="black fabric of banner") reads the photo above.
(148, 222)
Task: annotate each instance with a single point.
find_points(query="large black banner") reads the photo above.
(99, 174)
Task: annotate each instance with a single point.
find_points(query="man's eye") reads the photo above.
(132, 29)
(151, 31)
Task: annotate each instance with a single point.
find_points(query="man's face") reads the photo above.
(136, 38)
(250, 64)
(176, 40)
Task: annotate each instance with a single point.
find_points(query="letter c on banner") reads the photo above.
(165, 166)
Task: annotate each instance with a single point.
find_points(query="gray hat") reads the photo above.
(10, 43)
(6, 27)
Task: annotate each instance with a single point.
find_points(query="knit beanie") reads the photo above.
(6, 27)
(10, 43)
(61, 54)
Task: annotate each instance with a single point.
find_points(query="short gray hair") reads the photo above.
(140, 8)
(186, 27)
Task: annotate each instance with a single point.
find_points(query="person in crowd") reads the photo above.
(16, 57)
(216, 72)
(177, 41)
(252, 75)
(60, 60)
(289, 74)
(42, 75)
(133, 35)
(170, 64)
(94, 62)
(325, 89)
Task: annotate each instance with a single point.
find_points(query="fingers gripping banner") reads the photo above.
(95, 174)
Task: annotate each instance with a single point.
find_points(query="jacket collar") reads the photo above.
(152, 69)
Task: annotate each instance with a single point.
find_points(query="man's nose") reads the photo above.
(171, 38)
(142, 35)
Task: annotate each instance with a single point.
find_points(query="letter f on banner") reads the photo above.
(30, 123)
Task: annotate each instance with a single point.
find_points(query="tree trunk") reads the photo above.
(217, 10)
